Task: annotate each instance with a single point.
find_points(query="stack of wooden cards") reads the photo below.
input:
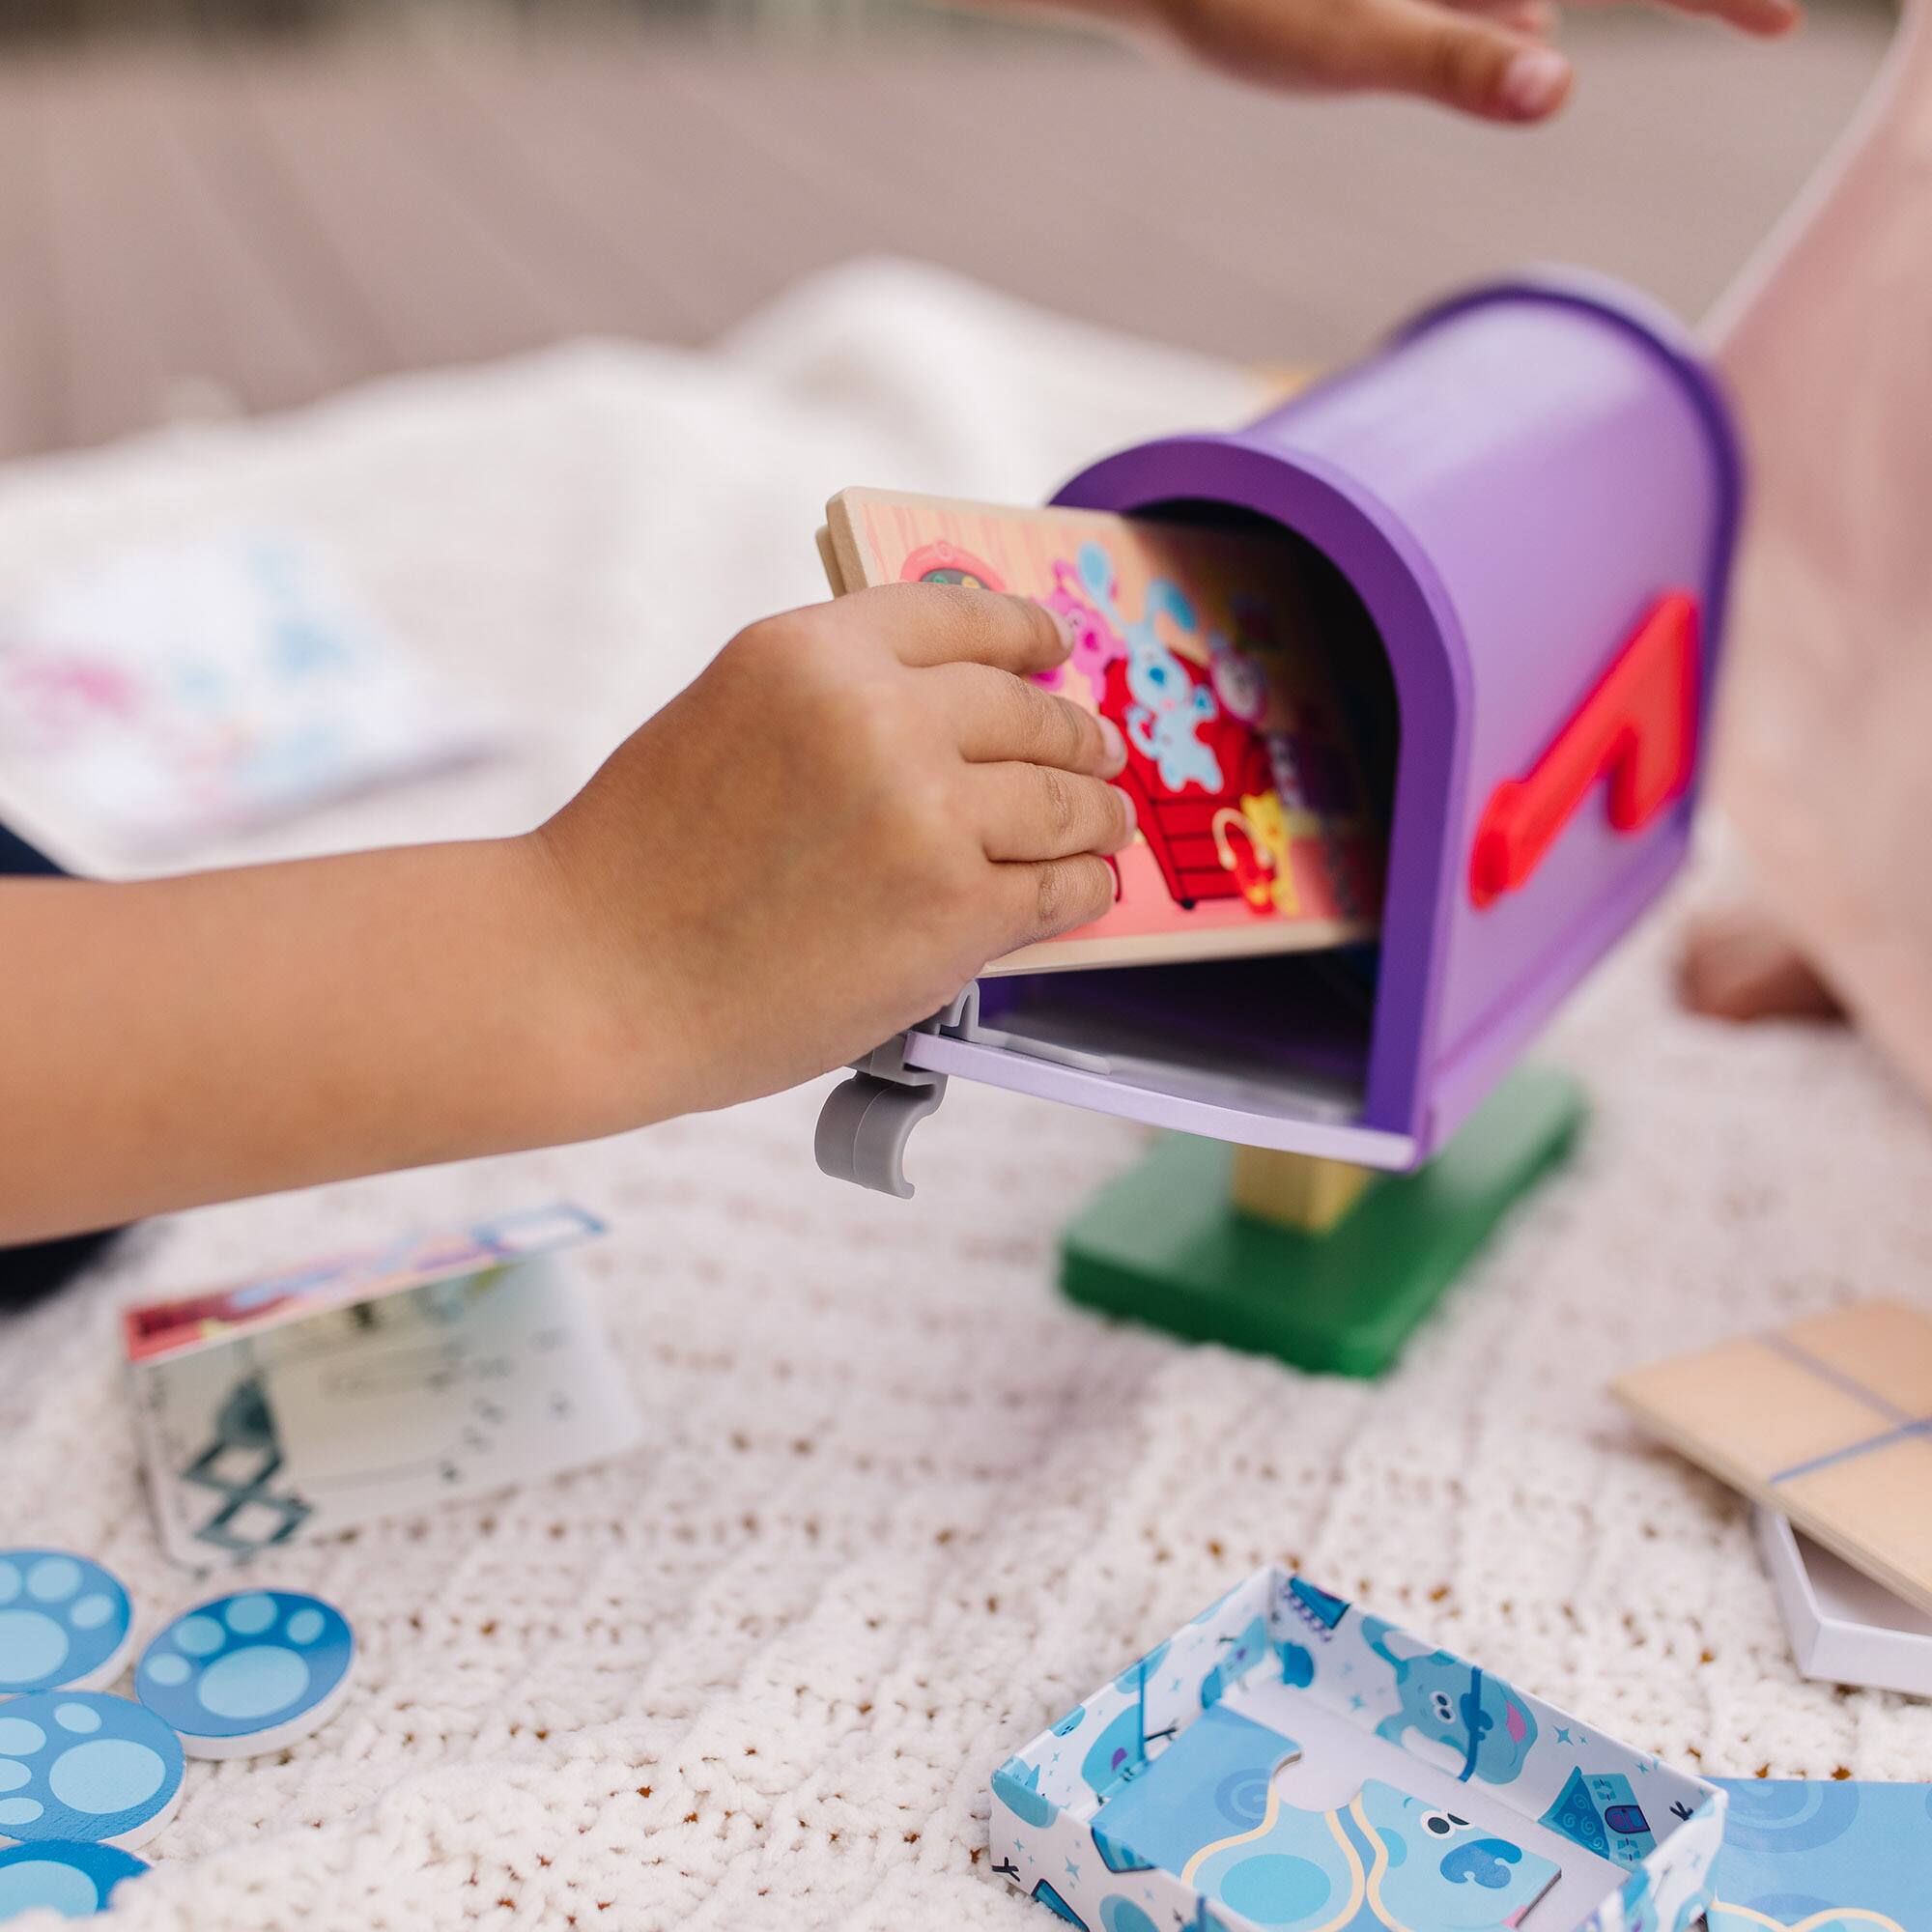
(1827, 1424)
(1257, 829)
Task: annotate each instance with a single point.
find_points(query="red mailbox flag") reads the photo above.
(1638, 729)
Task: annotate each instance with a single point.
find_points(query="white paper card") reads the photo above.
(166, 693)
(288, 1408)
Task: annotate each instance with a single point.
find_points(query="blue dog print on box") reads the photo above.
(1207, 1812)
(1158, 1797)
(1384, 1860)
(1240, 1656)
(1017, 1786)
(1121, 1749)
(1453, 1703)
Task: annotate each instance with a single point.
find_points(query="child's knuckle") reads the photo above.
(929, 817)
(1196, 24)
(1457, 62)
(788, 668)
(754, 650)
(1055, 729)
(1078, 736)
(948, 613)
(1097, 892)
(1059, 805)
(950, 889)
(1050, 896)
(875, 730)
(1026, 705)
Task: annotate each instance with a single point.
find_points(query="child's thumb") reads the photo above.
(1464, 63)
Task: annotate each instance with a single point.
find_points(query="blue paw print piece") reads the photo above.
(64, 1621)
(249, 1673)
(75, 1879)
(78, 1765)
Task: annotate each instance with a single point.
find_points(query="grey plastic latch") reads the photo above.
(866, 1121)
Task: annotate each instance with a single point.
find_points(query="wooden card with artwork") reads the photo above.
(1828, 1420)
(1257, 832)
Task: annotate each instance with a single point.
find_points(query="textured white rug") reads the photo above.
(897, 1504)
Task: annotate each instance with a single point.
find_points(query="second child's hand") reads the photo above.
(1487, 58)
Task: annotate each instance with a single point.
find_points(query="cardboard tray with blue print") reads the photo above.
(1290, 1763)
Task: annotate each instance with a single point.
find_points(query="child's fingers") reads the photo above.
(1462, 60)
(1767, 17)
(1535, 18)
(1529, 16)
(1032, 813)
(1000, 718)
(951, 623)
(1046, 900)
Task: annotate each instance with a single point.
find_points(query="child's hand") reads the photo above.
(820, 841)
(816, 844)
(1486, 57)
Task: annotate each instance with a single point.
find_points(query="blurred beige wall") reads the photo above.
(201, 222)
(804, 20)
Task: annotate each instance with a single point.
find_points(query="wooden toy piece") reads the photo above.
(828, 556)
(251, 1674)
(75, 1879)
(1258, 830)
(66, 1622)
(1821, 765)
(1295, 1190)
(1828, 1420)
(1166, 1244)
(82, 1768)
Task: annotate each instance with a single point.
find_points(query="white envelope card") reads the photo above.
(373, 1384)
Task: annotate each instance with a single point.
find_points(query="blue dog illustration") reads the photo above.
(1453, 1703)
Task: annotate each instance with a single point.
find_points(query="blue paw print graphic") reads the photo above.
(248, 1673)
(1485, 1863)
(63, 1621)
(75, 1881)
(75, 1764)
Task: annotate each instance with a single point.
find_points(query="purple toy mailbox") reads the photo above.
(1524, 506)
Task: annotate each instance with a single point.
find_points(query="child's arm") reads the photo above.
(1485, 57)
(851, 812)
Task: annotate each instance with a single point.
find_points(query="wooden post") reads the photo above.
(1296, 1190)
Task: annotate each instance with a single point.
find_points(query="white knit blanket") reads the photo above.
(897, 1505)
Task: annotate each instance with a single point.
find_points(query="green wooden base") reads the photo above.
(1163, 1243)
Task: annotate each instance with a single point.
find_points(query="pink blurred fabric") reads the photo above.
(1825, 747)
